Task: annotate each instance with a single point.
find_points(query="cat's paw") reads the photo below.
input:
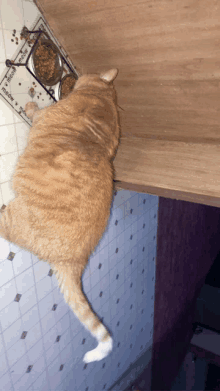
(30, 109)
(97, 354)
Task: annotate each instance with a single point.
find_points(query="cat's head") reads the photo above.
(102, 81)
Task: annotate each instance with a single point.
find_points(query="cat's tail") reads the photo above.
(70, 285)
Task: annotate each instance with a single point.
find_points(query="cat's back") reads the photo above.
(64, 180)
(65, 173)
(64, 195)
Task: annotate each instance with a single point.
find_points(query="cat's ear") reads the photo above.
(109, 76)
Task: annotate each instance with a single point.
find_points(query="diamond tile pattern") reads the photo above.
(38, 327)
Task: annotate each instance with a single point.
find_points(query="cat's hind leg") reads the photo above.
(70, 286)
(31, 108)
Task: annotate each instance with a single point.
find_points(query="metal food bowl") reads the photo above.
(57, 65)
(61, 94)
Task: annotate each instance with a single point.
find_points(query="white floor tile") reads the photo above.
(7, 294)
(18, 369)
(33, 335)
(2, 348)
(6, 272)
(31, 13)
(48, 322)
(46, 304)
(8, 142)
(41, 270)
(11, 48)
(50, 337)
(9, 315)
(12, 14)
(40, 382)
(2, 48)
(21, 262)
(52, 352)
(17, 118)
(22, 133)
(7, 166)
(25, 280)
(28, 300)
(23, 383)
(6, 383)
(8, 193)
(36, 351)
(37, 370)
(1, 197)
(13, 333)
(30, 318)
(43, 287)
(15, 249)
(16, 352)
(5, 249)
(2, 71)
(3, 364)
(6, 115)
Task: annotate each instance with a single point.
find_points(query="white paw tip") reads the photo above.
(100, 352)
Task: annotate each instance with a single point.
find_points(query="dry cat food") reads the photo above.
(45, 61)
(67, 85)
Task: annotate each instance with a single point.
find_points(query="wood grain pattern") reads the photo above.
(167, 53)
(164, 165)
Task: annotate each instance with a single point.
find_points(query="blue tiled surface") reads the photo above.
(42, 346)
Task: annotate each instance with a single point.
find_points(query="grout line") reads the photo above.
(41, 328)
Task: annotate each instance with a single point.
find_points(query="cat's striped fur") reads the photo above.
(64, 185)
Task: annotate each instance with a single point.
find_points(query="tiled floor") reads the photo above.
(41, 342)
(13, 133)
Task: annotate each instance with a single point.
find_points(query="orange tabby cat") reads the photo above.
(63, 184)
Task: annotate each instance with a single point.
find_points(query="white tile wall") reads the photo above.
(41, 342)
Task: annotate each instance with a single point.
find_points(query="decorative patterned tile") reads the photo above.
(28, 300)
(38, 368)
(7, 294)
(63, 324)
(44, 286)
(15, 352)
(41, 382)
(25, 280)
(6, 272)
(21, 262)
(33, 335)
(3, 364)
(6, 383)
(48, 321)
(9, 315)
(41, 270)
(35, 352)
